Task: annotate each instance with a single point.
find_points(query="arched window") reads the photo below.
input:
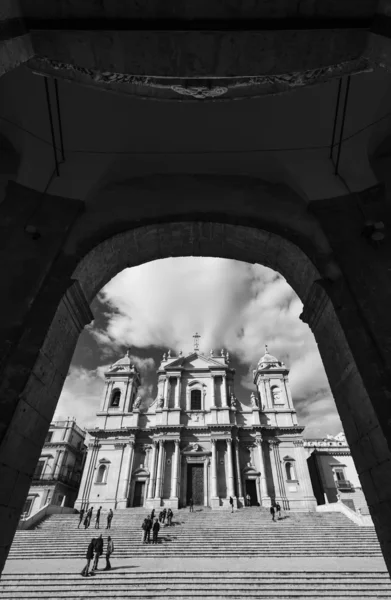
(290, 474)
(102, 474)
(115, 397)
(195, 400)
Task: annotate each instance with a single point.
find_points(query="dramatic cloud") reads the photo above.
(233, 305)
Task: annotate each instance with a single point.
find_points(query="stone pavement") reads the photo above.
(322, 564)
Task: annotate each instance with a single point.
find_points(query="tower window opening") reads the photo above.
(102, 472)
(289, 471)
(115, 398)
(195, 400)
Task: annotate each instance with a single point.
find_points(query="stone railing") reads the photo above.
(48, 509)
(359, 519)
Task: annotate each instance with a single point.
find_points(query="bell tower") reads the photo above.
(275, 399)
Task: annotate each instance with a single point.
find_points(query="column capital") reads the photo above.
(259, 441)
(177, 442)
(213, 441)
(229, 441)
(131, 443)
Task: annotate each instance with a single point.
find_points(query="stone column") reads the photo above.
(127, 471)
(175, 471)
(166, 392)
(213, 395)
(270, 402)
(238, 473)
(206, 462)
(178, 392)
(152, 478)
(230, 472)
(264, 493)
(224, 392)
(303, 475)
(158, 491)
(214, 470)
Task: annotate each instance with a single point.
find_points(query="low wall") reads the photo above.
(361, 520)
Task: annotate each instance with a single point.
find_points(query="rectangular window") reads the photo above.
(27, 507)
(39, 469)
(48, 438)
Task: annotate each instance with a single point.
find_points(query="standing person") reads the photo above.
(170, 514)
(86, 521)
(109, 552)
(148, 526)
(278, 511)
(144, 528)
(248, 498)
(155, 529)
(81, 515)
(153, 514)
(191, 505)
(272, 512)
(231, 503)
(164, 513)
(89, 515)
(109, 519)
(89, 557)
(97, 518)
(98, 551)
(161, 516)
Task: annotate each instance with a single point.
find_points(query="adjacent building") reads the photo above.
(333, 474)
(196, 440)
(59, 470)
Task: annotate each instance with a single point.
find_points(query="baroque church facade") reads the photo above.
(196, 440)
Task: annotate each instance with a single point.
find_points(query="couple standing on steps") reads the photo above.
(275, 508)
(95, 551)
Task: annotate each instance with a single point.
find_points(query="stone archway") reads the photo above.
(300, 256)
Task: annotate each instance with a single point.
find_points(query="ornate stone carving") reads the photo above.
(160, 402)
(253, 399)
(137, 402)
(298, 443)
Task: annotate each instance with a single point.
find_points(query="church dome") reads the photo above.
(123, 364)
(268, 360)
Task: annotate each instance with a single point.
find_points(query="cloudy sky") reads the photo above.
(232, 305)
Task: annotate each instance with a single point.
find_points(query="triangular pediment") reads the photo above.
(195, 361)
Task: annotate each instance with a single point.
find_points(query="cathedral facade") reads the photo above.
(196, 440)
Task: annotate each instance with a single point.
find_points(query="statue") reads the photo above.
(160, 402)
(137, 402)
(169, 354)
(180, 353)
(195, 447)
(227, 357)
(164, 356)
(253, 400)
(233, 402)
(222, 352)
(211, 354)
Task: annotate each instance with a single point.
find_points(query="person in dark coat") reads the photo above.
(109, 552)
(272, 512)
(155, 529)
(170, 514)
(89, 557)
(98, 551)
(153, 514)
(89, 515)
(97, 518)
(248, 498)
(191, 505)
(81, 515)
(231, 503)
(161, 516)
(148, 527)
(109, 519)
(86, 521)
(144, 528)
(164, 514)
(278, 511)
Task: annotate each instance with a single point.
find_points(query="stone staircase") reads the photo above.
(204, 533)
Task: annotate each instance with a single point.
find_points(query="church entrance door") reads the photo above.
(139, 489)
(195, 484)
(251, 489)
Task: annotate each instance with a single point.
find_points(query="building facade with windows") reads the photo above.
(58, 472)
(333, 473)
(196, 440)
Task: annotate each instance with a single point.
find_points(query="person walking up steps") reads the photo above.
(89, 557)
(81, 515)
(191, 505)
(109, 552)
(155, 531)
(278, 511)
(97, 518)
(98, 550)
(272, 512)
(231, 503)
(89, 516)
(86, 521)
(109, 519)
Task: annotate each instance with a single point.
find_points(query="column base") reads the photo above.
(266, 501)
(122, 503)
(215, 502)
(153, 503)
(172, 503)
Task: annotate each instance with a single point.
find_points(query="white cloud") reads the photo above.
(231, 304)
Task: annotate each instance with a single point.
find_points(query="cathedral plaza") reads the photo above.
(259, 132)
